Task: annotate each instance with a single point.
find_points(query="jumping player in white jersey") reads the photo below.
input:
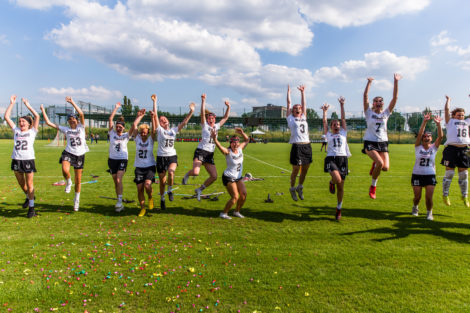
(424, 170)
(454, 154)
(167, 160)
(336, 161)
(204, 154)
(74, 153)
(375, 137)
(22, 163)
(301, 151)
(232, 177)
(144, 160)
(118, 154)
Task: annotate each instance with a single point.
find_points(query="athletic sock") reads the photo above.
(463, 183)
(202, 187)
(119, 198)
(446, 182)
(162, 197)
(170, 188)
(69, 181)
(340, 204)
(374, 182)
(77, 197)
(31, 203)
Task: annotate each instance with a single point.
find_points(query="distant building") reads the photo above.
(269, 111)
(54, 112)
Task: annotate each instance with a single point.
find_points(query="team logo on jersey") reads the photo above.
(79, 163)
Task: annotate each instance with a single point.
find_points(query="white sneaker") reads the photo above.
(198, 194)
(414, 211)
(300, 192)
(225, 216)
(238, 214)
(119, 207)
(68, 187)
(429, 216)
(293, 194)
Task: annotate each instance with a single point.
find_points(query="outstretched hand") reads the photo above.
(341, 100)
(301, 88)
(203, 97)
(69, 99)
(397, 76)
(141, 112)
(427, 116)
(154, 97)
(370, 79)
(238, 130)
(325, 107)
(12, 99)
(227, 104)
(192, 106)
(447, 98)
(437, 119)
(118, 105)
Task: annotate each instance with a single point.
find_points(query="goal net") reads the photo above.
(59, 140)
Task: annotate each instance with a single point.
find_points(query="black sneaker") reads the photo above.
(162, 205)
(26, 203)
(170, 196)
(31, 212)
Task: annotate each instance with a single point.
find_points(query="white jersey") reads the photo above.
(298, 129)
(76, 141)
(144, 152)
(457, 132)
(118, 145)
(206, 143)
(323, 138)
(425, 160)
(337, 145)
(24, 144)
(234, 164)
(166, 141)
(376, 126)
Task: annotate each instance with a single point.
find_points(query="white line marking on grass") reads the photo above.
(266, 163)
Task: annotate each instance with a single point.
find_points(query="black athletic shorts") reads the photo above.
(226, 180)
(453, 157)
(423, 180)
(301, 154)
(375, 145)
(336, 163)
(77, 161)
(116, 165)
(144, 173)
(23, 166)
(204, 156)
(163, 162)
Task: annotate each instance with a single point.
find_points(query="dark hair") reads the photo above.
(457, 110)
(28, 118)
(334, 121)
(208, 113)
(120, 121)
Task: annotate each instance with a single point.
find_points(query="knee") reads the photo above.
(235, 197)
(243, 195)
(385, 168)
(380, 164)
(463, 175)
(196, 171)
(171, 173)
(148, 186)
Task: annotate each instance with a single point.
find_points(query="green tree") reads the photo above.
(312, 114)
(136, 109)
(126, 107)
(415, 120)
(334, 116)
(396, 121)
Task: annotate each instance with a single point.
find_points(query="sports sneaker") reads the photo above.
(142, 212)
(372, 191)
(332, 188)
(372, 168)
(300, 192)
(68, 187)
(238, 214)
(225, 216)
(170, 195)
(162, 205)
(414, 211)
(293, 194)
(26, 203)
(119, 207)
(338, 214)
(446, 200)
(198, 194)
(429, 216)
(150, 205)
(465, 201)
(184, 181)
(31, 212)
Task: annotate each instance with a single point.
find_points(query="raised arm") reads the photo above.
(46, 119)
(246, 139)
(440, 133)
(302, 96)
(426, 118)
(324, 108)
(289, 109)
(447, 110)
(111, 117)
(186, 119)
(154, 121)
(366, 93)
(33, 111)
(8, 112)
(203, 109)
(396, 78)
(343, 114)
(217, 143)
(79, 111)
(134, 127)
(227, 113)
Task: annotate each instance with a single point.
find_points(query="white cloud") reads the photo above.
(380, 65)
(444, 41)
(89, 93)
(250, 101)
(4, 40)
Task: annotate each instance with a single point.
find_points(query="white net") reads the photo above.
(59, 140)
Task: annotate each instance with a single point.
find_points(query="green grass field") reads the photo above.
(284, 257)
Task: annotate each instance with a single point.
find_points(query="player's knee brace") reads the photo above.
(463, 175)
(449, 174)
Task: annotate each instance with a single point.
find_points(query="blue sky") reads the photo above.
(243, 51)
